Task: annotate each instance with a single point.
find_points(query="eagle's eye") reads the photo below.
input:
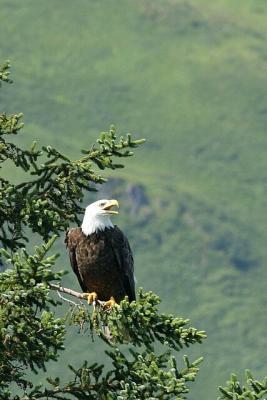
(102, 204)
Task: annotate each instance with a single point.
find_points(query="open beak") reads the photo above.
(109, 205)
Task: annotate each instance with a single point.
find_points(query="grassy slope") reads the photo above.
(189, 76)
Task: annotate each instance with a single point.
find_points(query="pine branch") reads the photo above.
(254, 390)
(4, 73)
(138, 322)
(51, 201)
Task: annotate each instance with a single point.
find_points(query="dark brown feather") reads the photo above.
(103, 263)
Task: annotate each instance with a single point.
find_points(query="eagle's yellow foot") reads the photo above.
(110, 303)
(91, 297)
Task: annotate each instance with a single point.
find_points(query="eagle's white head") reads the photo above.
(97, 216)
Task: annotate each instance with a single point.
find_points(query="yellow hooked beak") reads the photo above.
(109, 205)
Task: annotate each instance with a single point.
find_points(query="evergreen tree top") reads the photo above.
(32, 329)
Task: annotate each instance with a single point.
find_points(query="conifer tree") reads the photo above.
(32, 331)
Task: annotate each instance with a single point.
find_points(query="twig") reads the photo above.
(68, 300)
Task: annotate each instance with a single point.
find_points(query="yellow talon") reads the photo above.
(91, 297)
(110, 303)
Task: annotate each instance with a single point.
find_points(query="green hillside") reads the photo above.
(190, 76)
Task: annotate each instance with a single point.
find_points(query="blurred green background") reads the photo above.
(190, 76)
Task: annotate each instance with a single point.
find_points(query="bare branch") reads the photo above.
(68, 291)
(78, 295)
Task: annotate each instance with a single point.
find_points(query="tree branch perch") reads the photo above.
(71, 292)
(78, 295)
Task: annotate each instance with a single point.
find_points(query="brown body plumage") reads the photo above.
(103, 262)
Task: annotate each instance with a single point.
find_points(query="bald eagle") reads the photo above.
(100, 255)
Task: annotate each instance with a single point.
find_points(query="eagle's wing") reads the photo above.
(124, 257)
(71, 238)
